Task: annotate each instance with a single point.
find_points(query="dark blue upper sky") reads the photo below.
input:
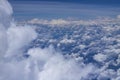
(109, 2)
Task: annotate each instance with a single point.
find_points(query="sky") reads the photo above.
(54, 9)
(109, 2)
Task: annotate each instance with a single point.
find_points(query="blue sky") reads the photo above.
(54, 9)
(110, 2)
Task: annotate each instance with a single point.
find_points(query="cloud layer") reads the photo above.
(42, 64)
(20, 61)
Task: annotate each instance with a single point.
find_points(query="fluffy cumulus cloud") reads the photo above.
(53, 66)
(100, 57)
(18, 37)
(45, 64)
(5, 12)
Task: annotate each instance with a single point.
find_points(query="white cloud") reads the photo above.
(100, 57)
(118, 16)
(66, 41)
(3, 41)
(66, 22)
(44, 64)
(18, 37)
(55, 67)
(5, 14)
(5, 7)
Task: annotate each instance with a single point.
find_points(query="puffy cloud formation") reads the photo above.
(51, 65)
(42, 64)
(45, 64)
(92, 41)
(18, 37)
(5, 13)
(5, 18)
(100, 57)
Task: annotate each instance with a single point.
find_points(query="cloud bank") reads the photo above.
(42, 64)
(69, 22)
